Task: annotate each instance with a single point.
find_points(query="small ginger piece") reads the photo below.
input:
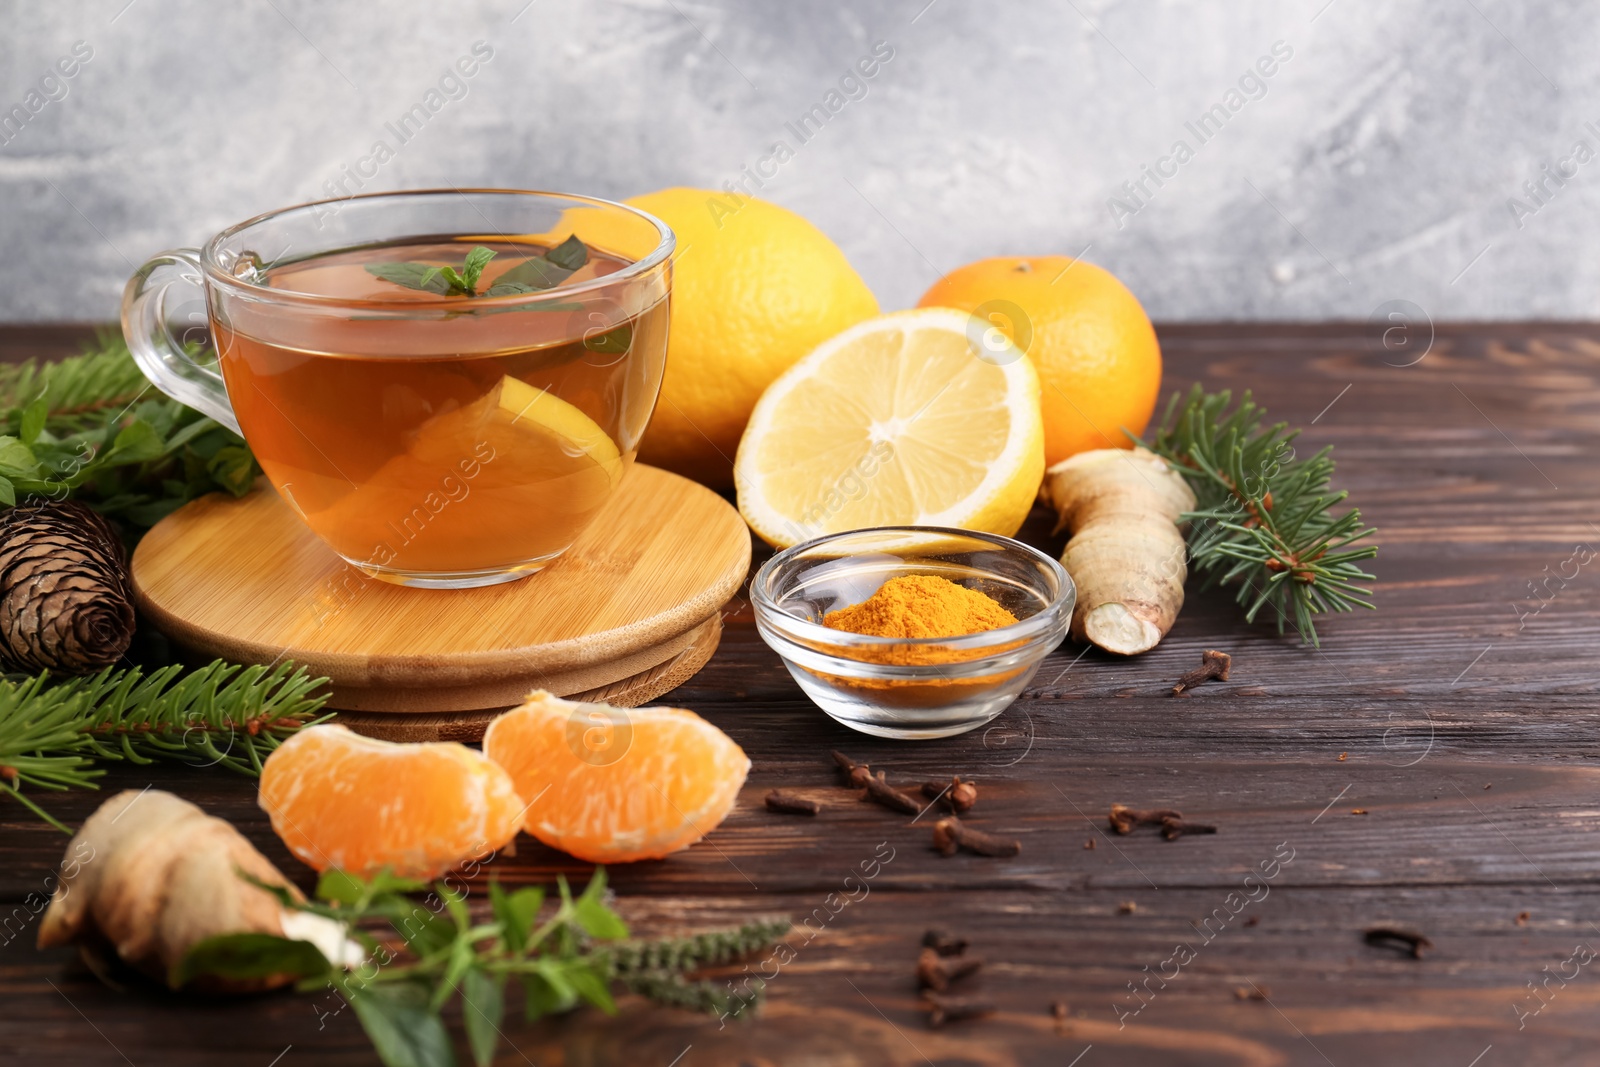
(155, 883)
(1126, 552)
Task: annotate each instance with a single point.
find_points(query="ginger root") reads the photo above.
(1126, 554)
(152, 885)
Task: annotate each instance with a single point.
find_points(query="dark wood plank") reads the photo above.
(1465, 709)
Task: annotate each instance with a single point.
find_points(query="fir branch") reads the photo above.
(1264, 518)
(42, 742)
(52, 736)
(89, 427)
(104, 376)
(222, 714)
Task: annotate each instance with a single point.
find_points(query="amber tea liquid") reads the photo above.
(475, 441)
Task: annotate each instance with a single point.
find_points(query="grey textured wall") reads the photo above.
(1384, 159)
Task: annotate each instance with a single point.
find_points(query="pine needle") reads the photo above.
(1265, 519)
(53, 736)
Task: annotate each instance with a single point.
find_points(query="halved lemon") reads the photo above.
(926, 417)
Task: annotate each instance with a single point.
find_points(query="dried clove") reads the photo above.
(950, 834)
(1127, 907)
(956, 795)
(1089, 844)
(1058, 1009)
(1213, 664)
(791, 804)
(1173, 828)
(855, 774)
(880, 791)
(1123, 818)
(1253, 992)
(1408, 941)
(943, 942)
(936, 972)
(1522, 918)
(942, 1009)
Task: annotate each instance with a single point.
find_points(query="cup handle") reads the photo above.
(165, 359)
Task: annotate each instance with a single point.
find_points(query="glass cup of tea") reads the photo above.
(446, 386)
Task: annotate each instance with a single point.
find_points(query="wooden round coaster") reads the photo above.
(469, 725)
(245, 580)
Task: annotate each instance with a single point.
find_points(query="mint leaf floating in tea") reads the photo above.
(412, 276)
(531, 275)
(543, 272)
(446, 281)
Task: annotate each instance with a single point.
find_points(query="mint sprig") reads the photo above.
(543, 272)
(546, 271)
(577, 955)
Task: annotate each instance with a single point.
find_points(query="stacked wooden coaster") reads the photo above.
(629, 612)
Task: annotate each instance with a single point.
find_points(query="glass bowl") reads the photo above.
(908, 687)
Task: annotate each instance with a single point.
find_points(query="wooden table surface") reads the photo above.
(1432, 766)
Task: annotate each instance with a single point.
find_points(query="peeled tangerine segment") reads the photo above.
(342, 801)
(612, 785)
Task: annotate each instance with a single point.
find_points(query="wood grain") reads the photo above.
(1477, 467)
(690, 654)
(245, 580)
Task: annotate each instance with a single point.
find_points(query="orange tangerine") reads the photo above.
(612, 785)
(341, 800)
(1098, 359)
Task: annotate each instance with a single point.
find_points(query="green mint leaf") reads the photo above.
(403, 1030)
(515, 912)
(137, 442)
(477, 259)
(8, 493)
(233, 468)
(462, 957)
(17, 459)
(547, 991)
(597, 920)
(570, 254)
(483, 1006)
(458, 284)
(591, 987)
(542, 272)
(411, 275)
(424, 931)
(337, 887)
(614, 342)
(246, 956)
(33, 419)
(505, 288)
(456, 904)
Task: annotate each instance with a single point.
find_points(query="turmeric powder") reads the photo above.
(921, 605)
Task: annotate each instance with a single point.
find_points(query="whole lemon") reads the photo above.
(754, 288)
(1096, 353)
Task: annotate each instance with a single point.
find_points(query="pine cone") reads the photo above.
(66, 602)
